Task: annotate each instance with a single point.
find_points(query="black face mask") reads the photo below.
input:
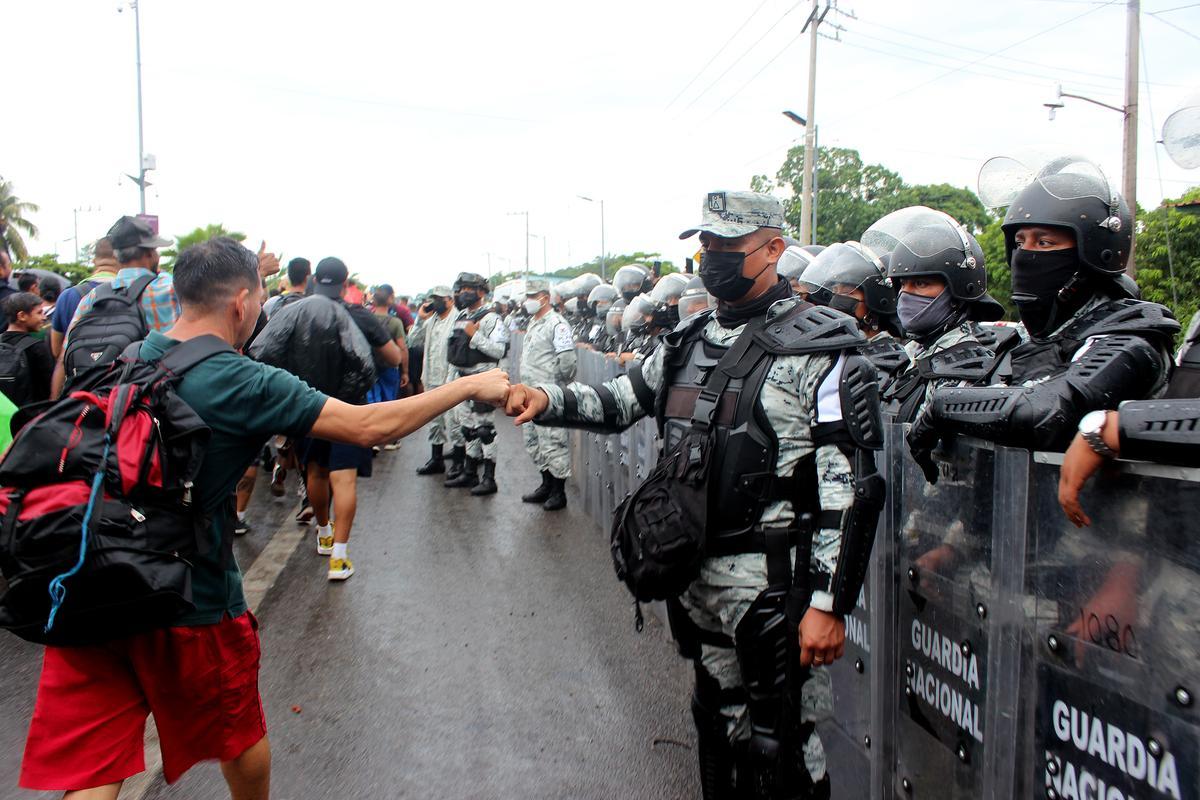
(465, 299)
(629, 295)
(1037, 278)
(721, 272)
(667, 317)
(437, 306)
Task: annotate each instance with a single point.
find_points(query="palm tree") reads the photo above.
(13, 221)
(197, 236)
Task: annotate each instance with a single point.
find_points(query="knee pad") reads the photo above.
(486, 434)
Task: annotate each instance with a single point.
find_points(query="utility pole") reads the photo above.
(137, 29)
(1129, 139)
(810, 147)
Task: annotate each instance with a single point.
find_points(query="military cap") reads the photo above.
(733, 214)
(440, 291)
(536, 286)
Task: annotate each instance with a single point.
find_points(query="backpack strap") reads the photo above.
(26, 343)
(185, 355)
(732, 365)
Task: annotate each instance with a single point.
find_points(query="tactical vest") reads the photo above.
(459, 351)
(1040, 359)
(967, 361)
(745, 446)
(1185, 380)
(887, 355)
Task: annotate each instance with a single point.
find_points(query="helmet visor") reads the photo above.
(669, 287)
(638, 314)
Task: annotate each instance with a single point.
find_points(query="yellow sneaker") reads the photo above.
(325, 543)
(340, 569)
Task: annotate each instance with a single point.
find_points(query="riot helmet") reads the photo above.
(469, 288)
(923, 241)
(632, 280)
(638, 314)
(571, 307)
(792, 264)
(582, 285)
(612, 321)
(813, 250)
(1067, 192)
(665, 297)
(844, 268)
(695, 298)
(1068, 196)
(601, 299)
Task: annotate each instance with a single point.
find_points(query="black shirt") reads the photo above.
(41, 364)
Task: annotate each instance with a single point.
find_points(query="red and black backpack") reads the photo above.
(98, 530)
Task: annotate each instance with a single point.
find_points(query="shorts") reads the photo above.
(200, 682)
(335, 456)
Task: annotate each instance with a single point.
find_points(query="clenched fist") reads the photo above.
(525, 403)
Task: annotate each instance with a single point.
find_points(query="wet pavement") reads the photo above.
(482, 650)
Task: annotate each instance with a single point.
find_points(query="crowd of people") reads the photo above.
(770, 373)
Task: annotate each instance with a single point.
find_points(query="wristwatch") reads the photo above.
(1090, 428)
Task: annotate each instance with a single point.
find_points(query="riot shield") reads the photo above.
(947, 625)
(1112, 681)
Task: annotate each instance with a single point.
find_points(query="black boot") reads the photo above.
(457, 456)
(468, 478)
(557, 499)
(487, 484)
(436, 464)
(539, 494)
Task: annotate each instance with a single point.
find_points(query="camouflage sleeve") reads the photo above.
(492, 338)
(564, 366)
(608, 408)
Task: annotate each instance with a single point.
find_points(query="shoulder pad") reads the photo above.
(965, 361)
(859, 393)
(1134, 317)
(688, 327)
(811, 329)
(887, 354)
(1000, 339)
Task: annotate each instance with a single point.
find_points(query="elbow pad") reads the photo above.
(1161, 430)
(858, 533)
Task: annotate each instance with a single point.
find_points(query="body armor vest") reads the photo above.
(745, 447)
(459, 351)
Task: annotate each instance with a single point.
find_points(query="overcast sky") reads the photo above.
(401, 136)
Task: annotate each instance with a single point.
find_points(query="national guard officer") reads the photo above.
(477, 342)
(599, 301)
(770, 421)
(435, 323)
(547, 356)
(1067, 236)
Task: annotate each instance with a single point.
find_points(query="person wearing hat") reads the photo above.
(770, 419)
(431, 334)
(477, 342)
(548, 356)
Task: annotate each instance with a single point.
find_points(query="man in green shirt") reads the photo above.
(200, 677)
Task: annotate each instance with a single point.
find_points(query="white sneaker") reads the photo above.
(340, 569)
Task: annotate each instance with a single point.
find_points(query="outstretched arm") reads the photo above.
(385, 422)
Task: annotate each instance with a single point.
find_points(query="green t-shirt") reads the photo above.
(244, 403)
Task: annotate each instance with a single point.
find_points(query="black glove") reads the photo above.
(922, 439)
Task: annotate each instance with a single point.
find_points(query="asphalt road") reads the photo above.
(483, 650)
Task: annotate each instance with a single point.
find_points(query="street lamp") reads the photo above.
(145, 162)
(603, 273)
(810, 201)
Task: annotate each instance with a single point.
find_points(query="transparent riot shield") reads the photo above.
(858, 739)
(955, 637)
(1114, 664)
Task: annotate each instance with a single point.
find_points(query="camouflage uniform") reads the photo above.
(475, 421)
(796, 387)
(433, 334)
(548, 357)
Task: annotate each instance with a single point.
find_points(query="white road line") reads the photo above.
(256, 582)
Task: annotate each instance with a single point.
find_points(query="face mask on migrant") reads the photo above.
(721, 272)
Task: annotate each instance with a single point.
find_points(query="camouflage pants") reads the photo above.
(477, 427)
(443, 428)
(549, 448)
(716, 601)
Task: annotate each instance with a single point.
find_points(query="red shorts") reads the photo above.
(201, 684)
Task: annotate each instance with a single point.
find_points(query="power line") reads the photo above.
(738, 91)
(1184, 31)
(718, 53)
(747, 52)
(1176, 8)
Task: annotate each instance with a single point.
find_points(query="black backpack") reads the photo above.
(16, 378)
(97, 527)
(112, 323)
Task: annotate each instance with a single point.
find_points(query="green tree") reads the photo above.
(196, 236)
(1154, 268)
(999, 278)
(13, 220)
